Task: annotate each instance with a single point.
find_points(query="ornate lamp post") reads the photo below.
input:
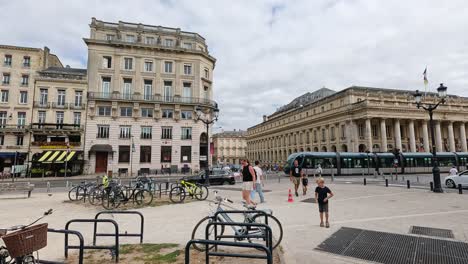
(430, 107)
(208, 116)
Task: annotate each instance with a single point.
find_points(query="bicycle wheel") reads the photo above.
(76, 193)
(177, 194)
(201, 192)
(199, 232)
(95, 196)
(273, 223)
(112, 199)
(143, 197)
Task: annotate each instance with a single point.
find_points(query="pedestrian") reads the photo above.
(318, 171)
(322, 195)
(248, 179)
(305, 183)
(295, 176)
(453, 171)
(259, 182)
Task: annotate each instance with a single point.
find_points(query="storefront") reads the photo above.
(53, 163)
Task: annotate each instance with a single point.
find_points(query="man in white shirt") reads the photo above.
(453, 171)
(259, 182)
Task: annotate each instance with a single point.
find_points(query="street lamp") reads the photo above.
(208, 116)
(430, 107)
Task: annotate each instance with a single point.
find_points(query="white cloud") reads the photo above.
(270, 52)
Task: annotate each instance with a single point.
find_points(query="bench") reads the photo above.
(17, 186)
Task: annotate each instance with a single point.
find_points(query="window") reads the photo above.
(375, 131)
(146, 132)
(7, 60)
(128, 64)
(43, 97)
(41, 117)
(167, 113)
(3, 118)
(6, 78)
(324, 135)
(166, 153)
(187, 45)
(106, 81)
(361, 130)
(19, 140)
(389, 131)
(322, 109)
(126, 111)
(146, 112)
(103, 131)
(125, 131)
(104, 111)
(127, 89)
(26, 61)
(207, 74)
(148, 89)
(23, 97)
(332, 133)
(169, 42)
(166, 133)
(76, 118)
(24, 79)
(149, 40)
(186, 133)
(148, 66)
(168, 66)
(78, 98)
(187, 69)
(185, 154)
(2, 140)
(186, 115)
(110, 37)
(4, 96)
(124, 153)
(343, 131)
(131, 38)
(145, 154)
(187, 92)
(60, 97)
(21, 119)
(167, 91)
(59, 117)
(107, 62)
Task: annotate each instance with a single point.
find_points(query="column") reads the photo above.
(397, 135)
(463, 137)
(412, 139)
(438, 136)
(451, 137)
(383, 135)
(349, 136)
(369, 134)
(425, 132)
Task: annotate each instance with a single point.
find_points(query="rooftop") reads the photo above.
(234, 133)
(65, 70)
(306, 99)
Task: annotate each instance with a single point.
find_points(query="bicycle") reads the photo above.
(250, 216)
(195, 190)
(114, 195)
(26, 239)
(78, 192)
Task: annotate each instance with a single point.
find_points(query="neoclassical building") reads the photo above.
(229, 147)
(358, 119)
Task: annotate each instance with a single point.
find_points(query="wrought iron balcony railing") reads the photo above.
(55, 126)
(39, 104)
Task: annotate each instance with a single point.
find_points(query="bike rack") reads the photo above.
(263, 213)
(114, 248)
(67, 232)
(140, 235)
(268, 256)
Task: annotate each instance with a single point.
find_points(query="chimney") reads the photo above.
(45, 63)
(265, 118)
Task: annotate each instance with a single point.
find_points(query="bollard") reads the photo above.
(460, 189)
(66, 185)
(432, 186)
(417, 179)
(408, 184)
(332, 175)
(386, 182)
(403, 178)
(396, 177)
(48, 187)
(365, 181)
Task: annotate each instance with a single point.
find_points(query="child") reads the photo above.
(321, 197)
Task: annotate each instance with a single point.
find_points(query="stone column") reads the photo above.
(412, 138)
(383, 135)
(349, 136)
(438, 137)
(451, 137)
(425, 132)
(463, 137)
(369, 134)
(397, 135)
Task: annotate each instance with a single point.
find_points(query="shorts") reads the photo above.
(323, 207)
(305, 181)
(247, 186)
(297, 180)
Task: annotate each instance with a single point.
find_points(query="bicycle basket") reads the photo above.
(26, 241)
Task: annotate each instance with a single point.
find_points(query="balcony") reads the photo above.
(55, 144)
(75, 106)
(151, 99)
(43, 105)
(51, 128)
(60, 105)
(13, 128)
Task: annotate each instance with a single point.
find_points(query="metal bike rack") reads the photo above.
(67, 232)
(114, 248)
(140, 235)
(268, 256)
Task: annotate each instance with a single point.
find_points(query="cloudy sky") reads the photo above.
(270, 52)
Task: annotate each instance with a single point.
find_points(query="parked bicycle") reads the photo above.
(250, 216)
(115, 195)
(23, 242)
(83, 189)
(195, 190)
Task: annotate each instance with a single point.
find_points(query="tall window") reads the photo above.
(4, 96)
(332, 133)
(186, 133)
(145, 154)
(166, 153)
(343, 131)
(104, 111)
(149, 40)
(23, 97)
(103, 131)
(78, 98)
(127, 89)
(315, 135)
(7, 60)
(148, 90)
(206, 92)
(324, 135)
(375, 131)
(361, 130)
(187, 69)
(185, 153)
(128, 64)
(148, 66)
(126, 111)
(124, 153)
(186, 115)
(166, 133)
(168, 42)
(61, 97)
(167, 91)
(3, 118)
(6, 78)
(167, 113)
(21, 119)
(107, 62)
(2, 140)
(41, 117)
(44, 93)
(77, 118)
(207, 74)
(106, 81)
(389, 131)
(125, 131)
(26, 61)
(146, 132)
(19, 140)
(146, 112)
(24, 79)
(59, 117)
(168, 66)
(187, 92)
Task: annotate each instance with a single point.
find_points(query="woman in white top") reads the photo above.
(259, 182)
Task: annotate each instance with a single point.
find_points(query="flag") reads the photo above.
(425, 76)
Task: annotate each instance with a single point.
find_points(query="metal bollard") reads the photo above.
(66, 185)
(386, 182)
(408, 184)
(432, 186)
(48, 187)
(460, 189)
(365, 181)
(417, 179)
(332, 176)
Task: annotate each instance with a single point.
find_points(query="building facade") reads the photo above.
(145, 83)
(229, 147)
(358, 119)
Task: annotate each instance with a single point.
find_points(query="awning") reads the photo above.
(101, 148)
(57, 156)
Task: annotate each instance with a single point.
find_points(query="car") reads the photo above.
(217, 177)
(460, 178)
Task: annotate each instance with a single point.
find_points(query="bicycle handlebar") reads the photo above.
(18, 227)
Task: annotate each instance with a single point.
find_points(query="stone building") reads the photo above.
(145, 83)
(229, 147)
(358, 119)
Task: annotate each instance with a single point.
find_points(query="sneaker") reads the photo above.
(327, 225)
(297, 195)
(321, 224)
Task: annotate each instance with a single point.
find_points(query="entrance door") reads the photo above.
(101, 162)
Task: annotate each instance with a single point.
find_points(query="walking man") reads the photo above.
(295, 176)
(259, 182)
